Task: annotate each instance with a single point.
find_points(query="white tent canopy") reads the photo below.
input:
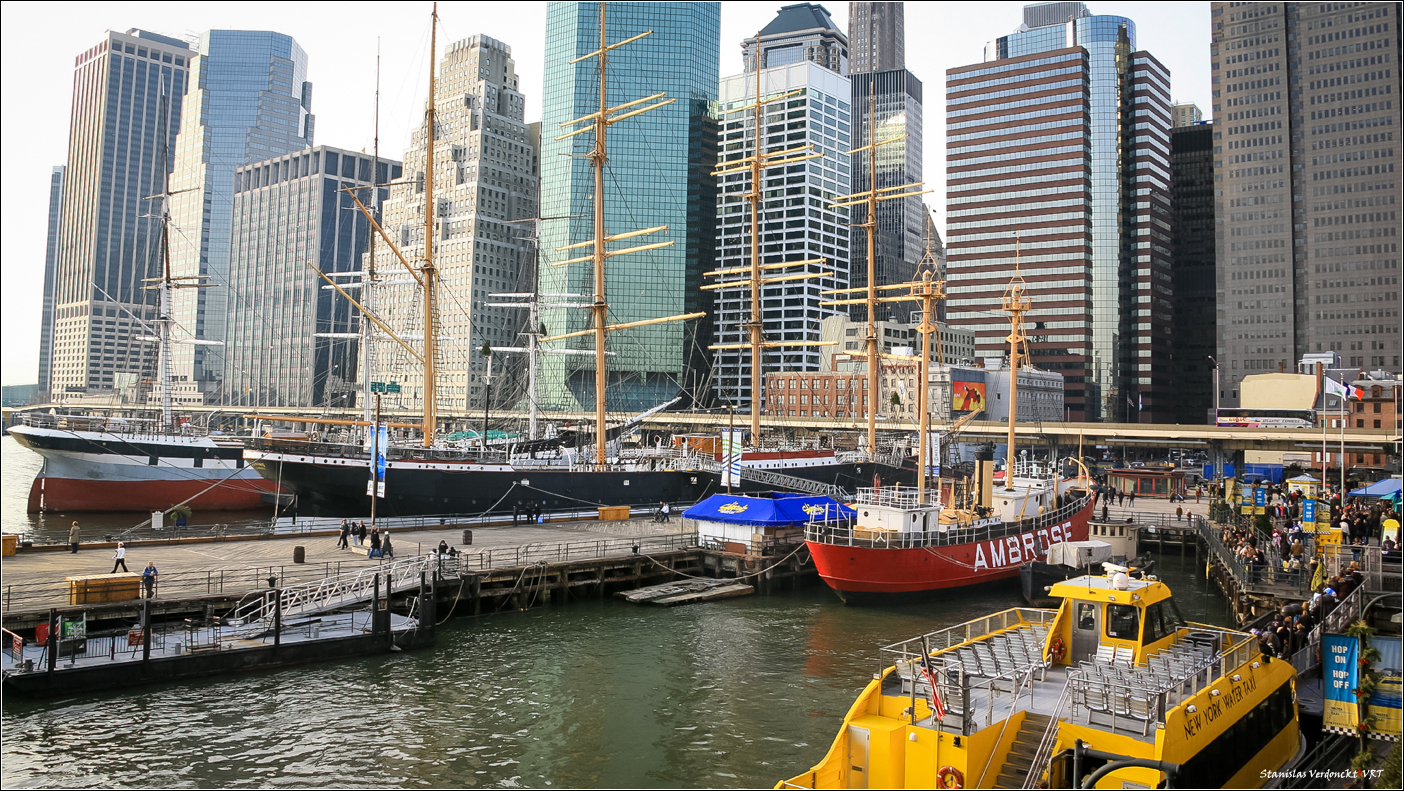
(1078, 554)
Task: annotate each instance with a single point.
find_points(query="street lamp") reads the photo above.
(1216, 387)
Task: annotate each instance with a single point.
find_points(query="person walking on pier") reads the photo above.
(119, 558)
(375, 544)
(344, 541)
(386, 550)
(148, 579)
(516, 512)
(361, 534)
(73, 537)
(667, 511)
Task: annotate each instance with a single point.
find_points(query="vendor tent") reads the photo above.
(1388, 488)
(767, 512)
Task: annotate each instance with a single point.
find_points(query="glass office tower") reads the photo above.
(658, 173)
(51, 248)
(1192, 194)
(1121, 217)
(251, 101)
(127, 98)
(286, 343)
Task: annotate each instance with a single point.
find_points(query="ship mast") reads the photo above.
(927, 291)
(870, 198)
(1016, 303)
(427, 271)
(368, 276)
(756, 164)
(599, 122)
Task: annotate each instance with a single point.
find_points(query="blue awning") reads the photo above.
(1388, 488)
(786, 511)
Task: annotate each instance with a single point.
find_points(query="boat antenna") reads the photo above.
(870, 198)
(756, 164)
(599, 122)
(1016, 303)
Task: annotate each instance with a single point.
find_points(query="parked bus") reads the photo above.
(1265, 418)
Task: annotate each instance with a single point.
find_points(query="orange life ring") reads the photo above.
(950, 777)
(1057, 650)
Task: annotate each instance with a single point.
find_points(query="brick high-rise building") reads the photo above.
(1306, 169)
(1058, 151)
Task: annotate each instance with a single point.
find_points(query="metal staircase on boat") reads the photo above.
(1019, 763)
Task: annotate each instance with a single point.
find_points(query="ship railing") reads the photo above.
(897, 497)
(357, 451)
(1049, 738)
(135, 428)
(844, 533)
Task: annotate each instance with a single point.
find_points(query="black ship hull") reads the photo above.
(337, 486)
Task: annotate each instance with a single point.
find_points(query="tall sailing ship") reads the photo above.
(141, 464)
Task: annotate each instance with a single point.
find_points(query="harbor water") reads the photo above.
(736, 693)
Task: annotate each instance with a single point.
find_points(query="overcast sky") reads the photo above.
(40, 41)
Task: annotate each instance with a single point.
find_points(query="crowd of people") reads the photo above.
(376, 540)
(1289, 629)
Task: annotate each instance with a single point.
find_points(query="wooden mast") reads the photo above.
(871, 197)
(757, 163)
(427, 270)
(927, 291)
(599, 122)
(1016, 304)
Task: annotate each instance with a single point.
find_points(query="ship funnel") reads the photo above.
(984, 477)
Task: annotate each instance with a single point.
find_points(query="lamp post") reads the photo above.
(1216, 387)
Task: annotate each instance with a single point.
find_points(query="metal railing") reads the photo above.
(1268, 578)
(952, 636)
(940, 535)
(1348, 611)
(330, 593)
(131, 428)
(565, 552)
(896, 497)
(1047, 740)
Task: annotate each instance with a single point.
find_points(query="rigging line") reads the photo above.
(774, 565)
(191, 498)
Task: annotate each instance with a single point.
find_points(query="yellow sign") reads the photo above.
(733, 508)
(815, 510)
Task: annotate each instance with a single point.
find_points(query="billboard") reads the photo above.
(967, 391)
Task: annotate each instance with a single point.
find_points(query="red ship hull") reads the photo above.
(856, 572)
(74, 495)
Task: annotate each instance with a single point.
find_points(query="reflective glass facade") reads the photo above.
(287, 212)
(250, 101)
(51, 250)
(127, 99)
(1082, 99)
(658, 173)
(901, 224)
(1306, 170)
(1192, 195)
(796, 221)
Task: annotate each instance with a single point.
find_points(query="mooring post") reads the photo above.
(277, 617)
(53, 642)
(146, 631)
(375, 608)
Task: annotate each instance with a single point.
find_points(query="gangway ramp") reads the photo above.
(329, 594)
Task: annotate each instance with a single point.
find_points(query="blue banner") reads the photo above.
(1308, 510)
(1260, 496)
(1340, 656)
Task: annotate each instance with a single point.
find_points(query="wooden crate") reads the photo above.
(612, 513)
(10, 542)
(99, 588)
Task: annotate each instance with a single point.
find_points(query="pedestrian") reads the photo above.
(374, 544)
(361, 534)
(667, 511)
(516, 512)
(1104, 512)
(344, 541)
(386, 550)
(1131, 499)
(73, 537)
(1179, 513)
(1120, 499)
(119, 558)
(148, 578)
(536, 512)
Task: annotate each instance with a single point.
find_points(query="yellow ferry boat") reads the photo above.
(1114, 689)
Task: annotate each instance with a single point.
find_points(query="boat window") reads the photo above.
(1123, 621)
(1160, 621)
(1086, 615)
(1172, 612)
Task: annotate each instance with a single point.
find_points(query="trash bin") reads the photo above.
(467, 538)
(299, 554)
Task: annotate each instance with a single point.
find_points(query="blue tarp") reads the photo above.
(781, 512)
(1389, 488)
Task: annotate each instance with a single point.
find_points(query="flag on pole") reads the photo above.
(1139, 406)
(1333, 388)
(937, 708)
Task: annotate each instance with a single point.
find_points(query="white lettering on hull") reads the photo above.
(1013, 550)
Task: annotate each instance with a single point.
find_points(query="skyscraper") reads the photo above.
(51, 253)
(876, 37)
(250, 101)
(1059, 152)
(1306, 167)
(1192, 197)
(127, 92)
(658, 173)
(1185, 114)
(281, 345)
(803, 31)
(486, 167)
(879, 73)
(790, 311)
